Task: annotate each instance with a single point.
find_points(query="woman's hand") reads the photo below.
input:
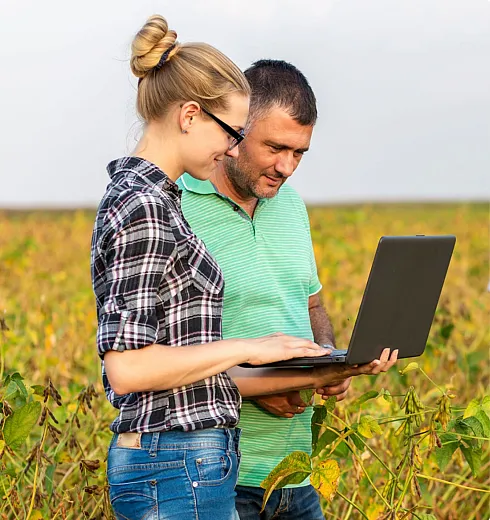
(280, 347)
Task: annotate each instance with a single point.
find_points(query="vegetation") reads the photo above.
(407, 444)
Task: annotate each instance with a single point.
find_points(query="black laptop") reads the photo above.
(398, 303)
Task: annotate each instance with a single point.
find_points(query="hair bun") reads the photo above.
(151, 42)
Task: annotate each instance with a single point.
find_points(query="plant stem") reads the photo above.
(435, 384)
(453, 483)
(353, 505)
(36, 472)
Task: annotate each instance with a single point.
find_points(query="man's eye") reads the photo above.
(275, 148)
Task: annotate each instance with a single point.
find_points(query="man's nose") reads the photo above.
(285, 165)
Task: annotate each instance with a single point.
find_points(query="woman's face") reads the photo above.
(207, 143)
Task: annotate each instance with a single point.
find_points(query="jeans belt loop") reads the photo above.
(155, 436)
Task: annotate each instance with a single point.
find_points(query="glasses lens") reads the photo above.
(234, 141)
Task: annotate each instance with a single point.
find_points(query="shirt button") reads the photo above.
(195, 484)
(236, 208)
(120, 301)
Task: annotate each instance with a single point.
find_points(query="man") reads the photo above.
(258, 230)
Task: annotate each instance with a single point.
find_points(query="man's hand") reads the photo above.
(286, 404)
(289, 404)
(338, 389)
(332, 378)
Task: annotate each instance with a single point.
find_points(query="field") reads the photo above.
(55, 418)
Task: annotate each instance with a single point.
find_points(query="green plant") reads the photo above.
(424, 433)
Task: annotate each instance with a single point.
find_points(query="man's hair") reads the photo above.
(276, 83)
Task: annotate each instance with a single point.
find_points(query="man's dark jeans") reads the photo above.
(284, 504)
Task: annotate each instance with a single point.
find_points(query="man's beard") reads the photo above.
(244, 181)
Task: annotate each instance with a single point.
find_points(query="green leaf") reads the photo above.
(485, 422)
(319, 415)
(19, 425)
(411, 366)
(293, 469)
(473, 458)
(327, 438)
(325, 478)
(387, 396)
(470, 426)
(38, 389)
(306, 396)
(372, 394)
(485, 404)
(472, 408)
(475, 425)
(426, 516)
(461, 426)
(16, 391)
(357, 438)
(330, 406)
(368, 427)
(49, 479)
(444, 454)
(342, 450)
(446, 330)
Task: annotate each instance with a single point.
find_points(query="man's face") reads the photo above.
(269, 155)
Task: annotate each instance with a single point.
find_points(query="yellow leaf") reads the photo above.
(325, 478)
(374, 511)
(36, 515)
(368, 427)
(411, 366)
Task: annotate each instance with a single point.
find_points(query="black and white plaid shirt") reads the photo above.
(155, 282)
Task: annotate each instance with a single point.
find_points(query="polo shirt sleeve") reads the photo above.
(137, 243)
(315, 284)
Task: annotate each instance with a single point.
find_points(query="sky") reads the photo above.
(403, 90)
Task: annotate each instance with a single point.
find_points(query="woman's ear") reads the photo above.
(188, 111)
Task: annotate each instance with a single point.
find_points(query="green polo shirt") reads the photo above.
(270, 272)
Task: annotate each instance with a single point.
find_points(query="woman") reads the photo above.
(159, 293)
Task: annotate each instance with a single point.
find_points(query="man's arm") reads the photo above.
(320, 321)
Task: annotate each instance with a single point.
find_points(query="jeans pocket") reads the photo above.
(137, 500)
(213, 467)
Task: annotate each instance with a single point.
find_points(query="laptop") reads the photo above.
(398, 304)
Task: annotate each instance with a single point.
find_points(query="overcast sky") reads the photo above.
(403, 89)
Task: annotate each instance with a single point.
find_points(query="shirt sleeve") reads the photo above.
(315, 284)
(137, 245)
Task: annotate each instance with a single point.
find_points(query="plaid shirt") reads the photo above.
(155, 282)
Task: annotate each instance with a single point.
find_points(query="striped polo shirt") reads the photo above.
(269, 270)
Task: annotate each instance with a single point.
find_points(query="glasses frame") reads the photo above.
(238, 137)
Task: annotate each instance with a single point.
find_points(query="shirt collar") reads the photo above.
(196, 186)
(144, 169)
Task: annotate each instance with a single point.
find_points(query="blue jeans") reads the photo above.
(300, 503)
(174, 475)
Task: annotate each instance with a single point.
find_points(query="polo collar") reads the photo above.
(196, 186)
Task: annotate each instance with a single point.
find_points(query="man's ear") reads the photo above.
(188, 111)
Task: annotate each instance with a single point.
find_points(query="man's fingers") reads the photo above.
(295, 400)
(338, 397)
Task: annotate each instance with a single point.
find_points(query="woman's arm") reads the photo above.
(160, 367)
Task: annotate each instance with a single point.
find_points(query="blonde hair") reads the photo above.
(189, 72)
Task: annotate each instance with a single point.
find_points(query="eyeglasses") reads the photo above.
(237, 137)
